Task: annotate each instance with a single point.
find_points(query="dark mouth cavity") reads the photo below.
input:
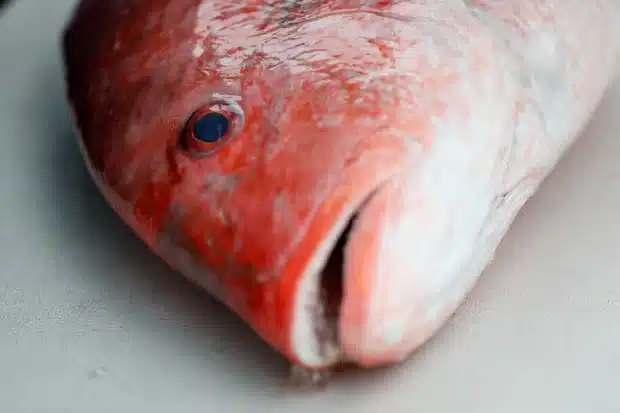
(331, 290)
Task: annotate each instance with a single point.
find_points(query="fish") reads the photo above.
(338, 173)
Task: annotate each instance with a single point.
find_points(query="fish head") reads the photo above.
(257, 151)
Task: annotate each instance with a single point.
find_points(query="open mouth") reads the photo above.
(327, 276)
(320, 294)
(331, 288)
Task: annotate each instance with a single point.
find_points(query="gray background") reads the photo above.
(90, 321)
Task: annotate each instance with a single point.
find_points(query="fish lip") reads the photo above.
(314, 339)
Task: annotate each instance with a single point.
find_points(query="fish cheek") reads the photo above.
(203, 246)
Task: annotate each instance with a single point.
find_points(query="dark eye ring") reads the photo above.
(212, 125)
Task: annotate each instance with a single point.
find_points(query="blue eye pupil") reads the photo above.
(211, 127)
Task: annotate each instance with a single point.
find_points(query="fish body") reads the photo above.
(337, 172)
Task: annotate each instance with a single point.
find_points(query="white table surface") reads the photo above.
(91, 322)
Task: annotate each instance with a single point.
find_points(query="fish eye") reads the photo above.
(212, 125)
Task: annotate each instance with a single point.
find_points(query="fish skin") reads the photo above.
(430, 122)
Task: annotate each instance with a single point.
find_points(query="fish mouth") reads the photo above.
(321, 288)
